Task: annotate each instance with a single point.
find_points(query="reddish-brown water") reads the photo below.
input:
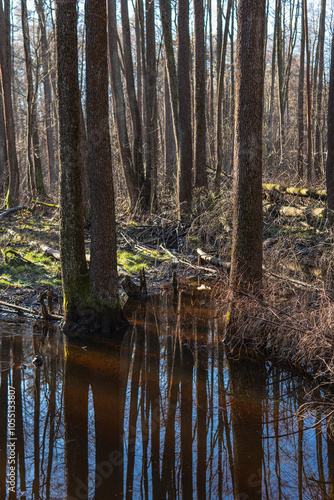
(157, 413)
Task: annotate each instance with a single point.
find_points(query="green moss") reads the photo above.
(133, 263)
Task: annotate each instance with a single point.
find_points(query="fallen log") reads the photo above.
(289, 211)
(318, 194)
(12, 211)
(215, 261)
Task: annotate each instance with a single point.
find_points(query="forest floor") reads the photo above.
(298, 257)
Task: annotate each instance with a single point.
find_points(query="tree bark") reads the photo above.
(185, 159)
(200, 98)
(131, 179)
(133, 103)
(300, 117)
(222, 57)
(72, 245)
(318, 156)
(12, 196)
(152, 108)
(330, 143)
(53, 170)
(246, 265)
(166, 21)
(103, 261)
(308, 98)
(34, 170)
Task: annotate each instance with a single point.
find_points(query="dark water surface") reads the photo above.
(159, 413)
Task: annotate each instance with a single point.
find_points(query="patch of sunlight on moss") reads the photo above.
(134, 262)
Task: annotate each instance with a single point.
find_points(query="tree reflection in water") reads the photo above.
(161, 412)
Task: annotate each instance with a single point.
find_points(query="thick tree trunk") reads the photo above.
(246, 265)
(103, 261)
(200, 98)
(72, 245)
(131, 179)
(12, 196)
(184, 177)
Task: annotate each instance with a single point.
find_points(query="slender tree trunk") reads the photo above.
(3, 149)
(330, 143)
(185, 131)
(166, 21)
(246, 266)
(12, 197)
(35, 175)
(270, 151)
(133, 103)
(308, 98)
(131, 179)
(53, 170)
(300, 158)
(220, 97)
(200, 98)
(169, 142)
(152, 107)
(318, 157)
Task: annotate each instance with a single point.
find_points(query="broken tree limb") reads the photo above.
(25, 310)
(48, 205)
(12, 211)
(213, 260)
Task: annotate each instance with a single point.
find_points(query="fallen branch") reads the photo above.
(25, 310)
(12, 211)
(213, 260)
(49, 205)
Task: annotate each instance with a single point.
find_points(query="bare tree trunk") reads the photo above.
(318, 156)
(170, 146)
(103, 262)
(72, 245)
(246, 265)
(330, 143)
(12, 197)
(166, 21)
(134, 109)
(152, 108)
(200, 98)
(220, 97)
(308, 98)
(35, 177)
(300, 158)
(185, 160)
(131, 178)
(53, 170)
(3, 149)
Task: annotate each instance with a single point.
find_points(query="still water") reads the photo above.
(161, 412)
